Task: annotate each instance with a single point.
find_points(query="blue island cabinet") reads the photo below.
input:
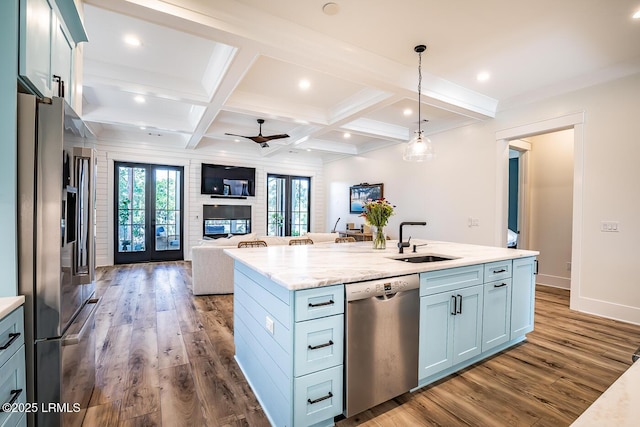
(290, 347)
(470, 313)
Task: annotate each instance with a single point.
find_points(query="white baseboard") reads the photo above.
(623, 313)
(554, 281)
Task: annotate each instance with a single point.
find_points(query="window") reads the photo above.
(288, 205)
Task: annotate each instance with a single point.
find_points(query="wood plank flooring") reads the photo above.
(165, 358)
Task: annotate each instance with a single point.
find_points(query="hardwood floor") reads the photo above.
(165, 357)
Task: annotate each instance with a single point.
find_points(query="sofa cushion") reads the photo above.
(275, 240)
(322, 237)
(228, 241)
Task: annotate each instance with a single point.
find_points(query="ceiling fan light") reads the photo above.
(418, 149)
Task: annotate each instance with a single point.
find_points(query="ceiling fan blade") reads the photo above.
(241, 136)
(280, 136)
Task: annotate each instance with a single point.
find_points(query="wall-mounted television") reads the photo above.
(225, 180)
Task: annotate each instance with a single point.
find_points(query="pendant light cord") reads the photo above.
(419, 49)
(419, 91)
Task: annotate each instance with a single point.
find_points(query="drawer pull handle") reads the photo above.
(320, 304)
(499, 271)
(16, 394)
(315, 347)
(12, 338)
(320, 399)
(459, 311)
(453, 306)
(500, 285)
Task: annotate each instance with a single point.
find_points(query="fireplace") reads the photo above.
(222, 220)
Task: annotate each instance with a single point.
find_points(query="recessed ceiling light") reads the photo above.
(346, 135)
(636, 15)
(304, 84)
(139, 99)
(308, 149)
(407, 111)
(331, 8)
(142, 128)
(483, 76)
(132, 40)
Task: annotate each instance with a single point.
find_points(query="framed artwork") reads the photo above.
(359, 194)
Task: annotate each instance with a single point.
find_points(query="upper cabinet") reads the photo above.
(49, 32)
(34, 63)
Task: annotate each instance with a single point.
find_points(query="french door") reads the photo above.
(288, 205)
(148, 213)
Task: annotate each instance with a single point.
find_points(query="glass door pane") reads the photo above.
(131, 202)
(167, 210)
(299, 206)
(276, 205)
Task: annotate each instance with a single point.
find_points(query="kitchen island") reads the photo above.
(289, 305)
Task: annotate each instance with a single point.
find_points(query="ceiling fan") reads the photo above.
(262, 140)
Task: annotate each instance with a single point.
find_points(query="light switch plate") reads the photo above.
(610, 226)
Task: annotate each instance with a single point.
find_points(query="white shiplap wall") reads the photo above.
(110, 151)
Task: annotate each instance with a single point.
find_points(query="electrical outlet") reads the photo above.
(568, 266)
(269, 324)
(610, 226)
(473, 222)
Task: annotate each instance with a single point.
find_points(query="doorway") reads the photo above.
(547, 190)
(288, 205)
(148, 212)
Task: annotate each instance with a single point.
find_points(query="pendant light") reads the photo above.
(419, 147)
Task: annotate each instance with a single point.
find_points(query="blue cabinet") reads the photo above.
(496, 322)
(34, 65)
(470, 313)
(290, 347)
(450, 321)
(49, 32)
(13, 383)
(523, 298)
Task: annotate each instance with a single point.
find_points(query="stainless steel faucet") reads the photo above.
(401, 244)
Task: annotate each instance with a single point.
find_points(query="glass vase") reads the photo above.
(379, 239)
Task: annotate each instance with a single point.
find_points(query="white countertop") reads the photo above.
(8, 304)
(618, 406)
(310, 266)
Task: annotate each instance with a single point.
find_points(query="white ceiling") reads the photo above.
(206, 68)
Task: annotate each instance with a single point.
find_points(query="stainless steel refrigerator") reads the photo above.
(56, 223)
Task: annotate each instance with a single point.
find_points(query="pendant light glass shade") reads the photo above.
(418, 149)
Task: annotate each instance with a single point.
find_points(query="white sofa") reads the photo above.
(212, 269)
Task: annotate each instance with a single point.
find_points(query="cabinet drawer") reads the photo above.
(13, 386)
(433, 282)
(319, 344)
(497, 270)
(319, 302)
(11, 334)
(317, 396)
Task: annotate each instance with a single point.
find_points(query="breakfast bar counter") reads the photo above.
(310, 266)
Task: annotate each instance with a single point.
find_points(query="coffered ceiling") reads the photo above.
(206, 68)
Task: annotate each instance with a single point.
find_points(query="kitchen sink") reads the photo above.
(423, 258)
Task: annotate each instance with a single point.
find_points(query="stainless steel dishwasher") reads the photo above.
(382, 318)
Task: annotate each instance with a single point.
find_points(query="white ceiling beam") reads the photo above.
(236, 70)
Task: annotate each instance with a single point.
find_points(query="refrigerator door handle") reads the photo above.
(76, 337)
